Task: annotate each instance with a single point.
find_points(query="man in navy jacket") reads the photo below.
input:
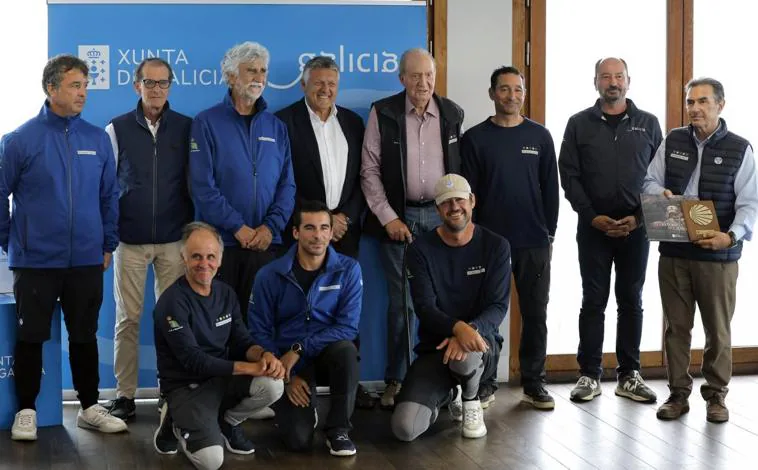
(306, 308)
(151, 144)
(241, 169)
(60, 170)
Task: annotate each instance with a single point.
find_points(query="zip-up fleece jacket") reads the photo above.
(240, 174)
(602, 169)
(62, 175)
(280, 314)
(155, 202)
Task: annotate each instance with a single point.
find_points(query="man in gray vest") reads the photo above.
(707, 161)
(151, 144)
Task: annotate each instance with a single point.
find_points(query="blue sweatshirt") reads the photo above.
(240, 174)
(514, 175)
(281, 314)
(62, 174)
(469, 283)
(197, 337)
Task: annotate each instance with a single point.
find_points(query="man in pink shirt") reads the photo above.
(411, 141)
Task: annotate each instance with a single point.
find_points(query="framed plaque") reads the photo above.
(700, 218)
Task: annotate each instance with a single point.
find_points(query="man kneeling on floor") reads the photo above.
(213, 376)
(306, 307)
(460, 277)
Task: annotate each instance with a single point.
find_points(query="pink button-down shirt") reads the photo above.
(424, 160)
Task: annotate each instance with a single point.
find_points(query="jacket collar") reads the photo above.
(283, 265)
(140, 114)
(260, 104)
(717, 135)
(58, 122)
(631, 108)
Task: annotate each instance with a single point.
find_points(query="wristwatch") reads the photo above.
(297, 348)
(733, 238)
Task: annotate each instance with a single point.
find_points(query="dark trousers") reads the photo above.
(419, 220)
(80, 290)
(597, 253)
(531, 272)
(238, 269)
(337, 365)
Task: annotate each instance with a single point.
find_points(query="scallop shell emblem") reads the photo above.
(701, 215)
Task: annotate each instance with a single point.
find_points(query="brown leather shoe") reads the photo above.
(675, 406)
(715, 410)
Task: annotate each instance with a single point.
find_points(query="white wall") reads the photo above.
(479, 39)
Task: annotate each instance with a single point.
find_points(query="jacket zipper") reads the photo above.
(155, 181)
(70, 201)
(255, 167)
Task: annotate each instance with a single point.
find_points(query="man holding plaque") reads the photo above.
(605, 152)
(707, 161)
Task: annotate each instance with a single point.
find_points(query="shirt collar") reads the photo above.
(701, 142)
(313, 115)
(432, 109)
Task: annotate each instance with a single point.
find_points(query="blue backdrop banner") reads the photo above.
(365, 40)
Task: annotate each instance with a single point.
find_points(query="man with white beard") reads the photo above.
(241, 170)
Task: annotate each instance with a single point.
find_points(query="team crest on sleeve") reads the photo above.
(173, 325)
(193, 146)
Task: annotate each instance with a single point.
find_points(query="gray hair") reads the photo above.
(718, 88)
(319, 62)
(414, 51)
(193, 227)
(57, 66)
(248, 51)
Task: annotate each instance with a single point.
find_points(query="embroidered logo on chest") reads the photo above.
(530, 150)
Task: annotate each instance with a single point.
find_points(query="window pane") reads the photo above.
(721, 27)
(578, 34)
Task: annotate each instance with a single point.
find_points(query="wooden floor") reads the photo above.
(607, 433)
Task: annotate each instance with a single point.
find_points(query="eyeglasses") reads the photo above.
(164, 84)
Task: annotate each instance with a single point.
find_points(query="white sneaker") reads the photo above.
(456, 405)
(473, 420)
(25, 425)
(96, 417)
(263, 413)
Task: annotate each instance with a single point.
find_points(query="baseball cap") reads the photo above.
(451, 186)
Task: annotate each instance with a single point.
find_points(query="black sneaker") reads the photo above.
(339, 444)
(486, 395)
(121, 407)
(164, 440)
(234, 438)
(538, 397)
(363, 399)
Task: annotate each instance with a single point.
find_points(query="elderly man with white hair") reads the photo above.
(241, 175)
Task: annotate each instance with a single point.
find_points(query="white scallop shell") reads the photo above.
(701, 215)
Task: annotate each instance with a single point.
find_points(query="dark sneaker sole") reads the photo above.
(540, 405)
(632, 396)
(671, 417)
(236, 451)
(589, 397)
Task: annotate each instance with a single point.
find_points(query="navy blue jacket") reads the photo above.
(241, 175)
(154, 203)
(62, 175)
(197, 337)
(280, 314)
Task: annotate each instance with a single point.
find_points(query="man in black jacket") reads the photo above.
(605, 154)
(325, 141)
(151, 145)
(411, 141)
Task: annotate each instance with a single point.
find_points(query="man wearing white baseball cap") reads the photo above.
(460, 277)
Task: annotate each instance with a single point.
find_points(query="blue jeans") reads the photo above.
(597, 254)
(419, 220)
